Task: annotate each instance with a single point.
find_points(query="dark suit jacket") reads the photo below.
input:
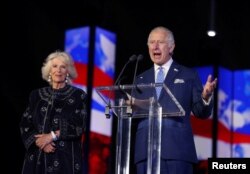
(177, 137)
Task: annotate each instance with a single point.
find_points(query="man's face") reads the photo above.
(159, 48)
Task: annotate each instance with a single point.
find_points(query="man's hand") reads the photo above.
(209, 88)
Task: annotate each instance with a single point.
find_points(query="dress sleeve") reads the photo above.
(26, 125)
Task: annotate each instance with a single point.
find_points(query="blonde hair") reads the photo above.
(66, 58)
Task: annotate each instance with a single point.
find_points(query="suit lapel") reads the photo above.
(172, 72)
(149, 77)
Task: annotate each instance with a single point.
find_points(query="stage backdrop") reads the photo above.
(102, 59)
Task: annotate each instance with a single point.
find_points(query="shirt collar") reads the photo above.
(166, 65)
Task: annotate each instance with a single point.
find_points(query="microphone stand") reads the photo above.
(108, 107)
(129, 108)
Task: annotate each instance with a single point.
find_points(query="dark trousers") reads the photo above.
(167, 167)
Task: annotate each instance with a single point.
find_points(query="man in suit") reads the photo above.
(178, 152)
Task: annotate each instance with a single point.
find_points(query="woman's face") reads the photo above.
(58, 71)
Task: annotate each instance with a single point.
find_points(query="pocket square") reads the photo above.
(179, 81)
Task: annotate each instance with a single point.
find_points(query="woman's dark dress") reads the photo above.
(50, 110)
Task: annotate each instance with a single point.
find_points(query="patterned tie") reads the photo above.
(159, 79)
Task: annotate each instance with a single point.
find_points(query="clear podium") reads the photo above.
(129, 102)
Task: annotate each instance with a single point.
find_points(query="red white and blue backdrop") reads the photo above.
(77, 43)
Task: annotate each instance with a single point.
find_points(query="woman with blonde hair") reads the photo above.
(54, 120)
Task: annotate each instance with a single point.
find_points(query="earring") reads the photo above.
(49, 79)
(67, 78)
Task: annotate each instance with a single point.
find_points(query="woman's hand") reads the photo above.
(43, 139)
(49, 148)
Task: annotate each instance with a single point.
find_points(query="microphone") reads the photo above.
(131, 59)
(139, 58)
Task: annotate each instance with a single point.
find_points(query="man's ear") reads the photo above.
(171, 49)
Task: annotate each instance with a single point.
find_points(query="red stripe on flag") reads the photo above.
(82, 70)
(204, 128)
(101, 78)
(231, 137)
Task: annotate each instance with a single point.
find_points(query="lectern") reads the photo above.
(130, 102)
